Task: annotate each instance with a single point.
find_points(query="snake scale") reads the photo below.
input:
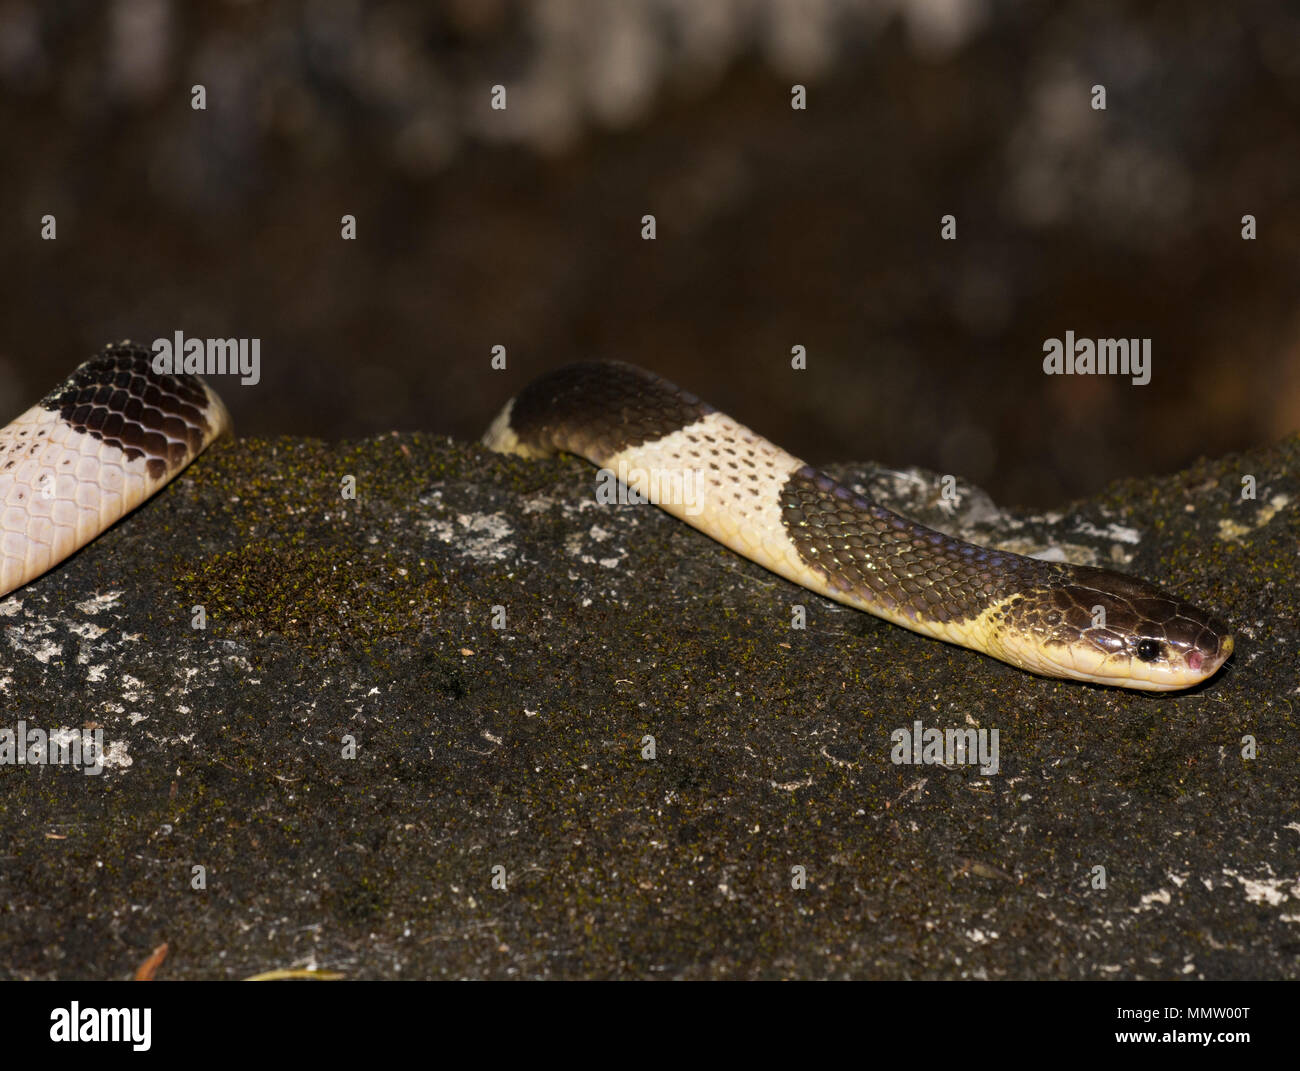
(116, 431)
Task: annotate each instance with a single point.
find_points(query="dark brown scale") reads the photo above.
(865, 549)
(119, 399)
(597, 410)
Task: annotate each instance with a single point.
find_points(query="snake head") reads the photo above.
(1108, 628)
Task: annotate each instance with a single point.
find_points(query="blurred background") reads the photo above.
(776, 227)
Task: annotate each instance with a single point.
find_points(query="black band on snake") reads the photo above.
(1050, 618)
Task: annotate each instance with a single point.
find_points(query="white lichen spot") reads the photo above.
(33, 640)
(1160, 896)
(1114, 533)
(116, 756)
(481, 536)
(539, 504)
(1270, 891)
(98, 603)
(1233, 531)
(131, 687)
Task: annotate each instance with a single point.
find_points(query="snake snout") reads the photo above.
(1203, 643)
(1206, 657)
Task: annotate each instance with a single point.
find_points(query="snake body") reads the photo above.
(1051, 618)
(93, 449)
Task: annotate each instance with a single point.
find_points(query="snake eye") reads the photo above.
(1148, 650)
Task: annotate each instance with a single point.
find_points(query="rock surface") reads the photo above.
(331, 620)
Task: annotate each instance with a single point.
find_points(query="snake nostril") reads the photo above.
(1195, 660)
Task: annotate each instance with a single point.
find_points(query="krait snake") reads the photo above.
(1050, 618)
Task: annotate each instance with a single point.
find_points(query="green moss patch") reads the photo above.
(338, 593)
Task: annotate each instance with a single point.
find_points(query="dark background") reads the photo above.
(776, 227)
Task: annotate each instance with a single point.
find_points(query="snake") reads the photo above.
(118, 429)
(1051, 618)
